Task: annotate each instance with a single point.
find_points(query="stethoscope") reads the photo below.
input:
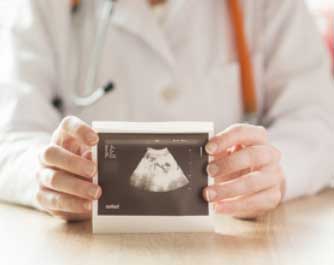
(246, 69)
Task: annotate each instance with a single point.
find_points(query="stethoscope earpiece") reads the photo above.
(108, 87)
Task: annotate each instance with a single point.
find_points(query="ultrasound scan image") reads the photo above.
(152, 174)
(158, 171)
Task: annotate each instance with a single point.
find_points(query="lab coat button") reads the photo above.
(169, 94)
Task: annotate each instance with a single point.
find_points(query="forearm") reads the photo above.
(18, 166)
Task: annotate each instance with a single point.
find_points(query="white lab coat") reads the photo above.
(186, 70)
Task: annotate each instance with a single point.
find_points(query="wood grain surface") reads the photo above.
(299, 232)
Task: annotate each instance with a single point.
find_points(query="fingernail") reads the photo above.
(211, 194)
(94, 192)
(90, 169)
(211, 148)
(88, 206)
(92, 137)
(213, 169)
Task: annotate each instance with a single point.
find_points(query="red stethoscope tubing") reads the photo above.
(246, 68)
(247, 79)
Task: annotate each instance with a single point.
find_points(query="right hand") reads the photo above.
(65, 176)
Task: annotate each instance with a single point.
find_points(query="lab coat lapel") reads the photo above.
(136, 18)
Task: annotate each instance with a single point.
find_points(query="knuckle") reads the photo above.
(73, 204)
(250, 184)
(277, 174)
(39, 196)
(276, 154)
(272, 169)
(266, 155)
(271, 154)
(272, 179)
(48, 153)
(56, 202)
(53, 178)
(57, 137)
(43, 176)
(280, 174)
(276, 197)
(279, 180)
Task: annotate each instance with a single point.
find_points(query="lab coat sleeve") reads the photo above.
(27, 85)
(299, 97)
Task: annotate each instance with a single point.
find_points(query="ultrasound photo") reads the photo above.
(158, 171)
(156, 174)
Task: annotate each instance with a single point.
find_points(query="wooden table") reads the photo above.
(300, 232)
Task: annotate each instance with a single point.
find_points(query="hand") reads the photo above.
(248, 177)
(65, 176)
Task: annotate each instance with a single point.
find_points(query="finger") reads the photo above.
(227, 152)
(250, 215)
(238, 174)
(234, 175)
(247, 184)
(259, 202)
(64, 182)
(251, 157)
(79, 130)
(56, 201)
(55, 156)
(71, 217)
(241, 134)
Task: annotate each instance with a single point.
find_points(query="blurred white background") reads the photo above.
(7, 8)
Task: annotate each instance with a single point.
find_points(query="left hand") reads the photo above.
(249, 180)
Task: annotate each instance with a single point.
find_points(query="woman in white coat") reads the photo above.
(168, 61)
